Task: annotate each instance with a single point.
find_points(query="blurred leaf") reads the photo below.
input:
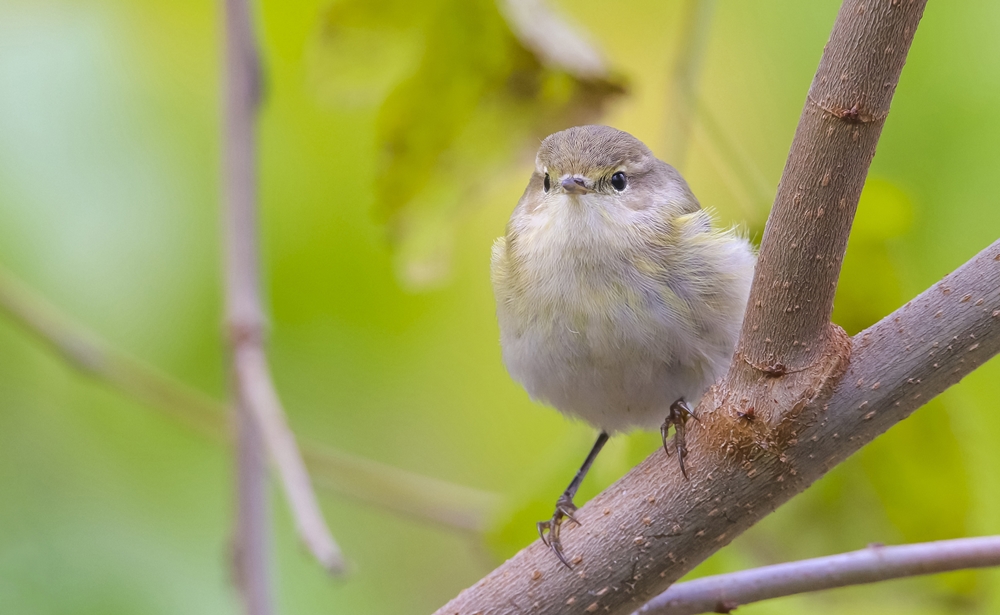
(478, 93)
(367, 61)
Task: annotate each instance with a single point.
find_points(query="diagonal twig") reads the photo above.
(687, 111)
(724, 592)
(415, 495)
(257, 391)
(738, 170)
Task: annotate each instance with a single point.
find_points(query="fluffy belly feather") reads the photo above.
(616, 371)
(615, 336)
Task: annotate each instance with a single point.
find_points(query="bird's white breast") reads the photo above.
(593, 323)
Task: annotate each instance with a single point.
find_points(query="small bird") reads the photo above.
(618, 301)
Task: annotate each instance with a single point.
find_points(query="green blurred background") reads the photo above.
(383, 338)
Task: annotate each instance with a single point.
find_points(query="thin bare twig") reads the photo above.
(256, 385)
(257, 400)
(723, 593)
(251, 542)
(422, 497)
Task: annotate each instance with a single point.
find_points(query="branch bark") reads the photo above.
(652, 527)
(725, 592)
(787, 326)
(814, 403)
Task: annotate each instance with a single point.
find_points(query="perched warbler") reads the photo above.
(618, 302)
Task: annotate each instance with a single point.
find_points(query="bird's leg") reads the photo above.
(549, 530)
(679, 413)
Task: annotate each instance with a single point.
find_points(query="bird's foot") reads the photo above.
(680, 411)
(549, 530)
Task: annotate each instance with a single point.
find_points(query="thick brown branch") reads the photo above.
(911, 356)
(652, 526)
(723, 593)
(806, 234)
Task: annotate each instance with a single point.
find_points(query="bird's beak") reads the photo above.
(574, 184)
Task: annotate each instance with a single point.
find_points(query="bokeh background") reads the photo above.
(391, 154)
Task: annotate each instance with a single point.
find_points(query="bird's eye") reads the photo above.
(619, 181)
(545, 183)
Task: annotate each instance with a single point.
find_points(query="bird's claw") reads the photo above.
(566, 507)
(549, 530)
(679, 413)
